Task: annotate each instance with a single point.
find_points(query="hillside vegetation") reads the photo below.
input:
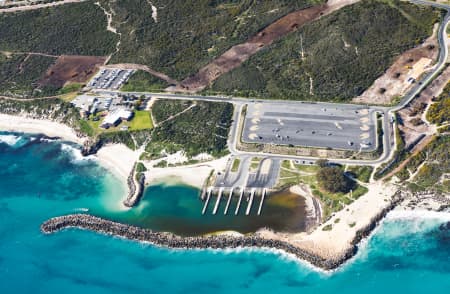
(164, 108)
(439, 112)
(71, 29)
(142, 81)
(19, 74)
(335, 58)
(189, 33)
(203, 128)
(431, 167)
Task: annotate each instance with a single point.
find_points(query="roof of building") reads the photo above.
(117, 115)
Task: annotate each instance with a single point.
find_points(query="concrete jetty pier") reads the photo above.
(239, 201)
(263, 195)
(218, 201)
(207, 200)
(228, 202)
(250, 202)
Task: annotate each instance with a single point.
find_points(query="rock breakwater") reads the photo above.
(88, 222)
(136, 186)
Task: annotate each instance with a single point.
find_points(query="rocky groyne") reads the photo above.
(136, 186)
(91, 146)
(365, 232)
(169, 240)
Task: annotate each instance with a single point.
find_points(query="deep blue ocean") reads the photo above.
(42, 178)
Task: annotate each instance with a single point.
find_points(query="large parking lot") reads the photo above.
(110, 78)
(321, 125)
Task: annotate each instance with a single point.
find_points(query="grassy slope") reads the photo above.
(177, 44)
(73, 29)
(344, 53)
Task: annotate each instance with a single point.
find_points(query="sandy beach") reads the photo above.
(345, 224)
(192, 175)
(117, 157)
(49, 128)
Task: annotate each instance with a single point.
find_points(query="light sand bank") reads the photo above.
(193, 175)
(344, 224)
(49, 128)
(118, 158)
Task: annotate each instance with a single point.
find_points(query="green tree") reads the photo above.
(332, 179)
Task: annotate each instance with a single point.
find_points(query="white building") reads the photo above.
(115, 117)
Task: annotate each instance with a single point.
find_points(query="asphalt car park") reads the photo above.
(319, 125)
(110, 78)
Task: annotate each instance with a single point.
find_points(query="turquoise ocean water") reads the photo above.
(40, 179)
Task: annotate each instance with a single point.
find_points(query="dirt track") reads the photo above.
(37, 6)
(237, 54)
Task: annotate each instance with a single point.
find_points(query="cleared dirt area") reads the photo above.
(397, 80)
(414, 124)
(71, 69)
(236, 55)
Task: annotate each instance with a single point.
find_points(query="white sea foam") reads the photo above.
(418, 214)
(10, 140)
(75, 153)
(281, 254)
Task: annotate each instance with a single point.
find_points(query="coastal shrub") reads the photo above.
(140, 167)
(203, 128)
(142, 81)
(52, 109)
(71, 29)
(361, 173)
(162, 163)
(154, 150)
(439, 112)
(334, 58)
(403, 175)
(327, 227)
(118, 137)
(86, 128)
(20, 74)
(359, 191)
(436, 162)
(163, 109)
(189, 33)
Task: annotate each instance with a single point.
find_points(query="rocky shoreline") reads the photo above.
(136, 187)
(169, 240)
